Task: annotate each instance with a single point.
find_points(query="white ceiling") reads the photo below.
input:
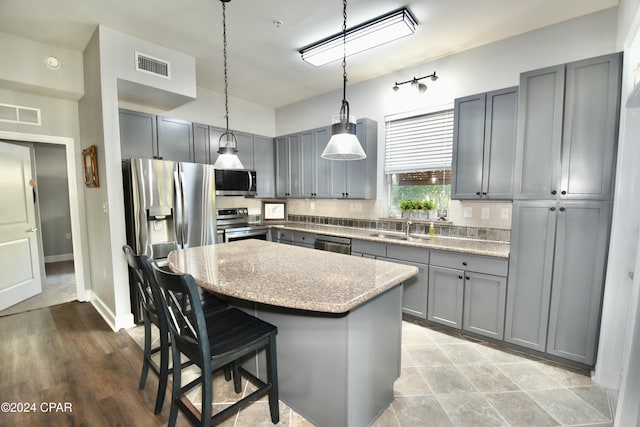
(264, 63)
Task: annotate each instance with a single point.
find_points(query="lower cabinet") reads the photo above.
(471, 298)
(484, 304)
(446, 288)
(556, 276)
(414, 293)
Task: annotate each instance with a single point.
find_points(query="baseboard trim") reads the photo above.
(115, 322)
(58, 258)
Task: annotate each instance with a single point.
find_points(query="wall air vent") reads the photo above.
(149, 64)
(17, 114)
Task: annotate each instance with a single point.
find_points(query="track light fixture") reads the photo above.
(415, 82)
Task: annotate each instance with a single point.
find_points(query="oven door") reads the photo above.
(260, 233)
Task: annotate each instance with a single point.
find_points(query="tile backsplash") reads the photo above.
(444, 229)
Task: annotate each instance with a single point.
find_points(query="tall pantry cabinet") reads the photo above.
(563, 183)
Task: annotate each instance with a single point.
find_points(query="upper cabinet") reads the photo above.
(567, 130)
(315, 171)
(483, 145)
(175, 139)
(138, 135)
(155, 137)
(302, 172)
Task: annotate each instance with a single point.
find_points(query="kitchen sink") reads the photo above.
(400, 237)
(389, 236)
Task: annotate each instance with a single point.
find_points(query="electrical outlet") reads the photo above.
(468, 212)
(505, 213)
(67, 236)
(358, 207)
(485, 213)
(104, 207)
(312, 206)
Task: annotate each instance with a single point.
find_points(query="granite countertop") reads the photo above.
(452, 244)
(288, 276)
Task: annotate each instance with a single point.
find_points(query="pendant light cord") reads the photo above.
(344, 109)
(224, 53)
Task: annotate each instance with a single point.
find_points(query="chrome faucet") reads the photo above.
(409, 224)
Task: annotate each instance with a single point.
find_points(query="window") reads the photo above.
(418, 158)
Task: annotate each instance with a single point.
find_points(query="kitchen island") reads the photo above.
(339, 321)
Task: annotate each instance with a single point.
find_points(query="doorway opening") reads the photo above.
(66, 270)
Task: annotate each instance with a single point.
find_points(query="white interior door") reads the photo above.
(19, 254)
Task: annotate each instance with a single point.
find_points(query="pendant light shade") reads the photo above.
(344, 144)
(227, 144)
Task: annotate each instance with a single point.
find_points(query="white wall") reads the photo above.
(22, 68)
(494, 66)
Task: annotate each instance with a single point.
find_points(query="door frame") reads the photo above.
(76, 201)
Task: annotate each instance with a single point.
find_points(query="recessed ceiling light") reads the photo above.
(52, 62)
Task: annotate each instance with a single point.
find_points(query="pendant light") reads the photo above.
(227, 159)
(344, 144)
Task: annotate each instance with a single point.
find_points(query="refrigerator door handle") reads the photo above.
(178, 209)
(185, 212)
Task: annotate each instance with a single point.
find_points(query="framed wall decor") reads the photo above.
(90, 163)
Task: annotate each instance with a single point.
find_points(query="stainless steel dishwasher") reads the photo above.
(341, 245)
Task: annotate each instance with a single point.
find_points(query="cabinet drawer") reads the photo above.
(408, 253)
(370, 248)
(304, 238)
(480, 264)
(285, 235)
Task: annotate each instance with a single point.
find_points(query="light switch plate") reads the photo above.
(468, 212)
(504, 213)
(485, 213)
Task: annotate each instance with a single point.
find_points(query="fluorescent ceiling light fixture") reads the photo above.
(378, 31)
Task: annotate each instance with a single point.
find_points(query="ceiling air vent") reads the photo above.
(17, 114)
(151, 65)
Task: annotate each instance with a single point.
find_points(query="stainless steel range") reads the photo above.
(234, 222)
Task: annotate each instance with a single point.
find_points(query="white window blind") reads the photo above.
(419, 143)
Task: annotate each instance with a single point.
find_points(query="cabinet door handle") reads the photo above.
(554, 192)
(346, 194)
(477, 193)
(552, 209)
(562, 209)
(464, 263)
(563, 192)
(460, 277)
(467, 278)
(484, 193)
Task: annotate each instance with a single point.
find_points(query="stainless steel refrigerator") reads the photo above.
(168, 205)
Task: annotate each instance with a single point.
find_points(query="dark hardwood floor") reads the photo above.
(65, 363)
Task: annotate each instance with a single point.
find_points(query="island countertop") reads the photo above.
(289, 276)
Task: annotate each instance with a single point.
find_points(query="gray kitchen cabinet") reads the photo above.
(556, 276)
(155, 137)
(567, 131)
(315, 171)
(245, 149)
(468, 292)
(367, 247)
(484, 304)
(530, 272)
(445, 298)
(138, 134)
(201, 143)
(357, 179)
(175, 139)
(578, 279)
(307, 240)
(264, 165)
(415, 289)
(288, 166)
(483, 147)
(285, 236)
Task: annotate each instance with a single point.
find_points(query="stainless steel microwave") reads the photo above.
(235, 182)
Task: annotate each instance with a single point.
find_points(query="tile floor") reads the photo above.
(449, 381)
